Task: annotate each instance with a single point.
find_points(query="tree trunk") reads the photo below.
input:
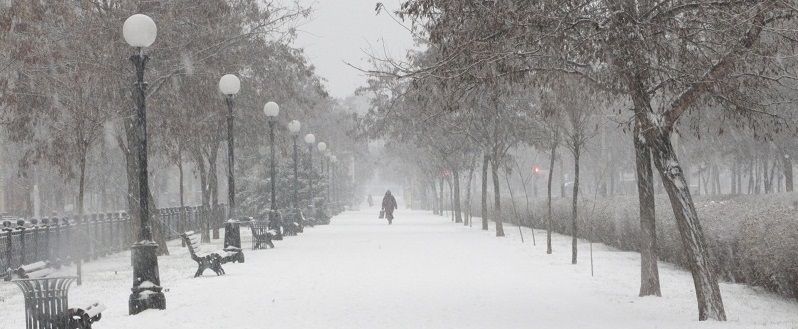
(710, 304)
(458, 216)
(612, 175)
(529, 215)
(213, 189)
(83, 234)
(450, 198)
(733, 175)
(467, 219)
(181, 220)
(203, 176)
(485, 160)
(181, 181)
(442, 201)
(771, 175)
(765, 174)
(435, 206)
(158, 227)
(787, 164)
(497, 211)
(758, 178)
(649, 253)
(562, 179)
(751, 176)
(548, 199)
(698, 189)
(574, 205)
(739, 178)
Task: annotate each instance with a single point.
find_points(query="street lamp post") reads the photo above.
(322, 150)
(310, 139)
(229, 85)
(333, 190)
(329, 175)
(140, 32)
(788, 178)
(322, 147)
(271, 110)
(294, 126)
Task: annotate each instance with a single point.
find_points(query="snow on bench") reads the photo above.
(210, 260)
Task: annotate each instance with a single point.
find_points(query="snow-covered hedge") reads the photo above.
(753, 239)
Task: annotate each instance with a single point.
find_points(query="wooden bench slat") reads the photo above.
(41, 273)
(94, 309)
(33, 266)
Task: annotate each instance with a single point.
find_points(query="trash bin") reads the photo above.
(46, 301)
(232, 233)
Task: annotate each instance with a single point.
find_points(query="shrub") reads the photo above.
(752, 239)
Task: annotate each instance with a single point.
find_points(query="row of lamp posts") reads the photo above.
(140, 31)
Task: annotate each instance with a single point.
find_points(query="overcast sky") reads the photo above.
(340, 30)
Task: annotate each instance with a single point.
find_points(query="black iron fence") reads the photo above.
(63, 239)
(179, 220)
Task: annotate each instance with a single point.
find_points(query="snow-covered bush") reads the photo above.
(254, 189)
(753, 239)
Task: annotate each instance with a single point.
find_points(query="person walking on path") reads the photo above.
(389, 205)
(370, 201)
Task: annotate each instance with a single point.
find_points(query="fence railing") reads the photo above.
(178, 220)
(63, 239)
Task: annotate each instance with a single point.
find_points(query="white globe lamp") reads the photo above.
(139, 31)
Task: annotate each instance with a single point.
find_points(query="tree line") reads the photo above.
(649, 85)
(66, 103)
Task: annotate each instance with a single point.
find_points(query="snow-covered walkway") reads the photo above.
(421, 272)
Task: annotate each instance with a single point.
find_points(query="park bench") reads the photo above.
(35, 270)
(262, 235)
(322, 218)
(307, 215)
(82, 318)
(210, 260)
(293, 221)
(46, 298)
(275, 221)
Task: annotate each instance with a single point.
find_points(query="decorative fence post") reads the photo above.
(7, 230)
(113, 238)
(192, 219)
(69, 242)
(102, 237)
(21, 230)
(216, 220)
(58, 250)
(93, 227)
(128, 233)
(47, 236)
(35, 229)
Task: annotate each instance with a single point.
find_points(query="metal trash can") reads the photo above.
(232, 234)
(46, 301)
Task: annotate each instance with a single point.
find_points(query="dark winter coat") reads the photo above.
(389, 204)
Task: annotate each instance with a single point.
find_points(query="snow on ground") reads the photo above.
(421, 272)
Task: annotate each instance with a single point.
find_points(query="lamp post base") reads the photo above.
(147, 292)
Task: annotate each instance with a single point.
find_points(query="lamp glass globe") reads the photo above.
(294, 126)
(271, 109)
(229, 84)
(310, 138)
(139, 31)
